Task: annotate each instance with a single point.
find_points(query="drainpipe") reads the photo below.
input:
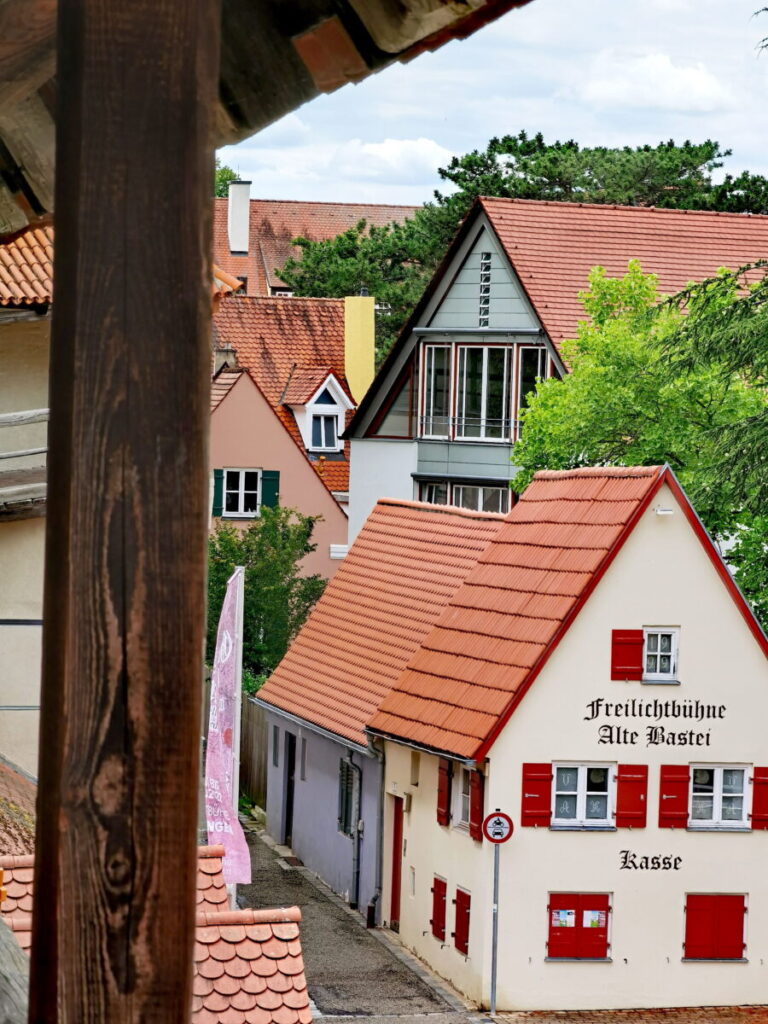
(357, 790)
(373, 906)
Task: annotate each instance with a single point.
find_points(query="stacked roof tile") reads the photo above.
(26, 267)
(495, 633)
(248, 965)
(274, 223)
(279, 341)
(403, 568)
(553, 246)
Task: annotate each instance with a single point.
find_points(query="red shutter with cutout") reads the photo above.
(627, 654)
(714, 926)
(759, 817)
(444, 791)
(476, 804)
(674, 785)
(461, 934)
(439, 895)
(631, 795)
(536, 802)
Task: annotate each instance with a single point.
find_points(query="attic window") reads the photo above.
(485, 289)
(326, 398)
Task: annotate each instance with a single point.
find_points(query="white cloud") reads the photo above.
(653, 81)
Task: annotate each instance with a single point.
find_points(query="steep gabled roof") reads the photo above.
(222, 384)
(553, 246)
(500, 628)
(277, 339)
(406, 563)
(274, 223)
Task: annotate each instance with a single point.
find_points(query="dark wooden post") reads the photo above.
(127, 513)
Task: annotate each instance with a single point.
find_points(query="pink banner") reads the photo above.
(220, 801)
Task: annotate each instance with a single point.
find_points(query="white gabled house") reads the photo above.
(599, 677)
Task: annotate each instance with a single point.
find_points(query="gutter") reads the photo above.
(305, 724)
(467, 762)
(373, 913)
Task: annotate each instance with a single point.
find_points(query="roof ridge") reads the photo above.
(613, 472)
(455, 510)
(617, 206)
(328, 202)
(271, 915)
(11, 861)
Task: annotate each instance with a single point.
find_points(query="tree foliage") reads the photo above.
(277, 597)
(625, 402)
(222, 177)
(394, 263)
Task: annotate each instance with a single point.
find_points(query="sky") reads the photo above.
(603, 72)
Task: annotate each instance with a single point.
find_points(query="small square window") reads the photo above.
(583, 795)
(660, 655)
(718, 797)
(242, 493)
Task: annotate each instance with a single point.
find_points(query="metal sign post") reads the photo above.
(497, 829)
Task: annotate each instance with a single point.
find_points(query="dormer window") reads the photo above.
(321, 416)
(324, 432)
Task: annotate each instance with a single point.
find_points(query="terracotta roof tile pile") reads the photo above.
(249, 969)
(553, 246)
(277, 340)
(403, 568)
(501, 622)
(248, 963)
(274, 223)
(26, 267)
(17, 811)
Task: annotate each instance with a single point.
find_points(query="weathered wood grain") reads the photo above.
(14, 979)
(27, 47)
(127, 514)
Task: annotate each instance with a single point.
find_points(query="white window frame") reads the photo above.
(508, 351)
(581, 821)
(428, 391)
(461, 792)
(717, 821)
(481, 488)
(333, 415)
(661, 677)
(306, 413)
(240, 514)
(543, 356)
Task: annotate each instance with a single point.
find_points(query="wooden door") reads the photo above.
(397, 863)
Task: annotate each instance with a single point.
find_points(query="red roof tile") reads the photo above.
(277, 340)
(248, 965)
(26, 267)
(403, 568)
(17, 811)
(274, 223)
(222, 384)
(553, 246)
(497, 630)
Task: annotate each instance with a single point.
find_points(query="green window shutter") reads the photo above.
(218, 492)
(270, 487)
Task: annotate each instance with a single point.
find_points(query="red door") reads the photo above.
(397, 863)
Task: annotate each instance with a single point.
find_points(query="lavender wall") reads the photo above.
(316, 838)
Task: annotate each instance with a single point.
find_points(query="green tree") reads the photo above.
(396, 262)
(277, 597)
(625, 403)
(222, 178)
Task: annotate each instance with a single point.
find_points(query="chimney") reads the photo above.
(359, 343)
(224, 356)
(239, 216)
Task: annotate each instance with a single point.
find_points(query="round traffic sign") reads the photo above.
(498, 827)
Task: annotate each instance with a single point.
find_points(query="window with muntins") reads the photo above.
(462, 798)
(437, 390)
(484, 304)
(583, 795)
(718, 797)
(660, 654)
(533, 366)
(478, 498)
(241, 492)
(324, 433)
(482, 393)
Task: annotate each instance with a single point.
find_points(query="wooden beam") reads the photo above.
(27, 47)
(127, 514)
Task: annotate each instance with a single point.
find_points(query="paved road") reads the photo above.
(351, 973)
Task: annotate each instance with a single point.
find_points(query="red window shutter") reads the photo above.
(631, 795)
(592, 926)
(461, 934)
(476, 805)
(714, 926)
(439, 894)
(563, 910)
(627, 654)
(536, 805)
(673, 795)
(444, 792)
(759, 798)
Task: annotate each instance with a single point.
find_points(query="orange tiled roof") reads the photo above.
(276, 339)
(249, 969)
(553, 246)
(222, 384)
(26, 267)
(248, 963)
(17, 811)
(403, 568)
(303, 383)
(499, 628)
(274, 223)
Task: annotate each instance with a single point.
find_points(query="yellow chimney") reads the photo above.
(359, 342)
